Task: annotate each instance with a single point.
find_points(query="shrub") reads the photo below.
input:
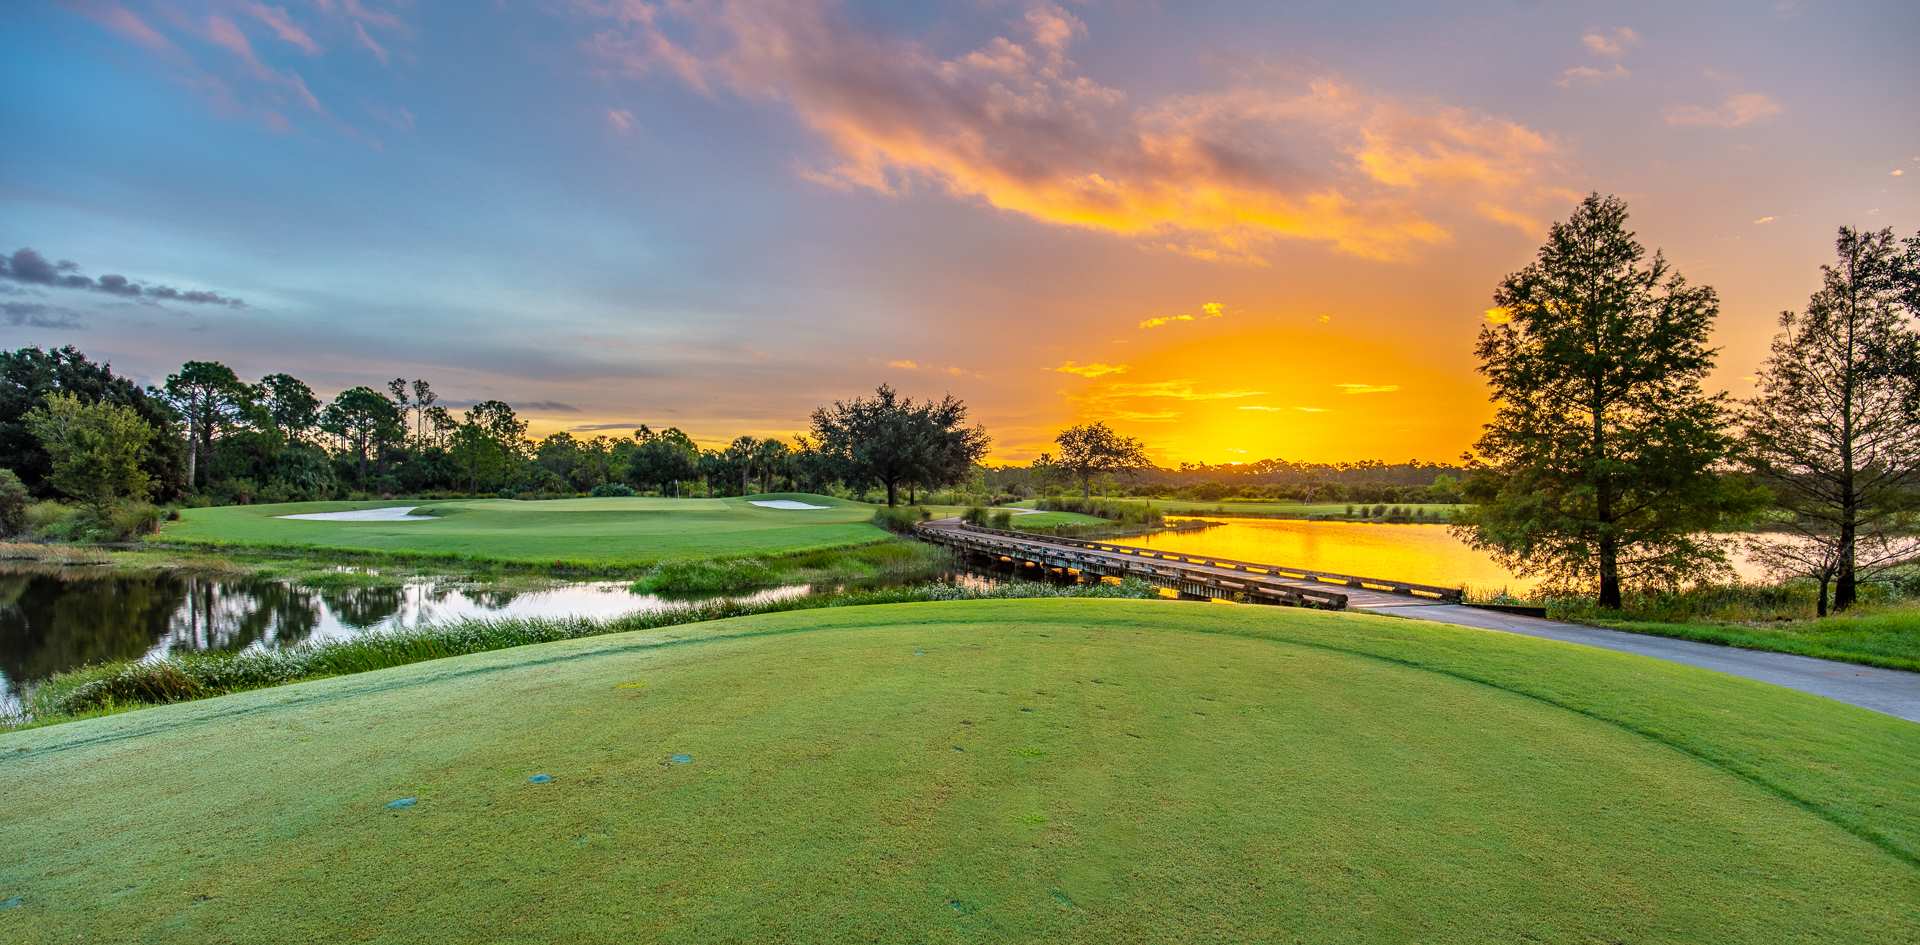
(975, 516)
(1001, 518)
(13, 503)
(240, 491)
(58, 522)
(611, 490)
(130, 520)
(900, 519)
(705, 576)
(1120, 512)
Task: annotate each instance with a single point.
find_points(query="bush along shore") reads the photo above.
(113, 687)
(1884, 630)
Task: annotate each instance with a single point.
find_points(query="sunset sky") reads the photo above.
(1234, 230)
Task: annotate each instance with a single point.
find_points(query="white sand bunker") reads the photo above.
(399, 513)
(785, 504)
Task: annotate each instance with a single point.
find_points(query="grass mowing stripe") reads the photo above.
(1890, 845)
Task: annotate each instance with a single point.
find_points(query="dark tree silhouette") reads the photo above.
(1599, 467)
(893, 441)
(1093, 449)
(212, 400)
(1831, 431)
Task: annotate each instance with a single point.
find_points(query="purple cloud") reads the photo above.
(28, 266)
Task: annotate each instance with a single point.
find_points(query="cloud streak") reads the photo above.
(38, 315)
(213, 54)
(1096, 369)
(1208, 310)
(1016, 125)
(1180, 389)
(1735, 111)
(29, 267)
(1611, 43)
(1577, 75)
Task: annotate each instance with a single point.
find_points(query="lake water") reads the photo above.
(57, 619)
(1424, 554)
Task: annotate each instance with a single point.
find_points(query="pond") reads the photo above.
(1424, 554)
(54, 619)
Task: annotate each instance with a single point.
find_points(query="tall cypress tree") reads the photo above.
(1599, 468)
(1830, 429)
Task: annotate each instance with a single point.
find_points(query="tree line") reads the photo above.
(70, 427)
(1609, 466)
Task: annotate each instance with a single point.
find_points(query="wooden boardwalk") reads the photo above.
(1191, 575)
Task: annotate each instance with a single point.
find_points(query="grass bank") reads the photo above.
(186, 676)
(1884, 631)
(1063, 771)
(892, 561)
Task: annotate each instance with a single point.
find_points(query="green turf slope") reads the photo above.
(593, 532)
(1063, 771)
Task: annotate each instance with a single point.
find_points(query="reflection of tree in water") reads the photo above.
(52, 622)
(232, 614)
(362, 607)
(493, 598)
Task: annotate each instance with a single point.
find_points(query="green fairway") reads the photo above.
(587, 532)
(1062, 771)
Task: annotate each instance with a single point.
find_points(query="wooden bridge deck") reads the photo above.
(1194, 575)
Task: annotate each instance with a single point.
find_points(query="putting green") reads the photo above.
(1070, 771)
(591, 532)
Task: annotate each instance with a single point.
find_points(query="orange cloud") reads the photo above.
(1091, 370)
(1367, 388)
(1208, 310)
(1016, 125)
(904, 365)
